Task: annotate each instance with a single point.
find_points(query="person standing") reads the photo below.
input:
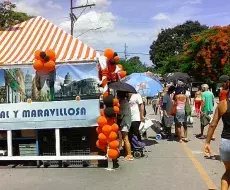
(198, 102)
(206, 109)
(137, 114)
(223, 95)
(168, 119)
(181, 117)
(124, 121)
(222, 111)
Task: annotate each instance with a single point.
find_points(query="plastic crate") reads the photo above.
(27, 149)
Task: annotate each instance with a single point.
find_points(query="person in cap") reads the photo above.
(222, 112)
(224, 80)
(206, 109)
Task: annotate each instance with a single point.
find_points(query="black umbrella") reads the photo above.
(178, 76)
(121, 86)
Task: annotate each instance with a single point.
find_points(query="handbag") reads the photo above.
(188, 110)
(173, 109)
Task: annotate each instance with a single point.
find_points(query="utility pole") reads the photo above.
(126, 51)
(73, 17)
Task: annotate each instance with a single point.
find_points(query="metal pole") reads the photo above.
(57, 138)
(71, 18)
(9, 143)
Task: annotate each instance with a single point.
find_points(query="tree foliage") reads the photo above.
(133, 65)
(208, 54)
(170, 41)
(9, 17)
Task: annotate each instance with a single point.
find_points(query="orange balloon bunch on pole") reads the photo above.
(112, 64)
(107, 128)
(44, 60)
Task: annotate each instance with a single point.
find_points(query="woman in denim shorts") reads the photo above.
(222, 111)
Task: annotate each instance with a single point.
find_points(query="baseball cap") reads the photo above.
(224, 78)
(205, 86)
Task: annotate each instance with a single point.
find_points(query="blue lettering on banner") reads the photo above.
(48, 112)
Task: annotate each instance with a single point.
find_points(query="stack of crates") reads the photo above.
(46, 139)
(75, 141)
(27, 149)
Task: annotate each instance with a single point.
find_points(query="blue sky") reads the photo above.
(135, 22)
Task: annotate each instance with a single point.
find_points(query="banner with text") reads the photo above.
(44, 115)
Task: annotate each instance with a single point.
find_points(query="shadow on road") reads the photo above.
(149, 142)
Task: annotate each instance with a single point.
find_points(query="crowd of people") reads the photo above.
(175, 106)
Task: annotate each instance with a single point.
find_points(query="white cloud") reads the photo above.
(29, 7)
(51, 4)
(161, 16)
(91, 20)
(99, 3)
(57, 85)
(194, 2)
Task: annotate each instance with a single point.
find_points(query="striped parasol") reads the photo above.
(18, 44)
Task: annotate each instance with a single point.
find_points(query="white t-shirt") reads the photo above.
(188, 93)
(134, 102)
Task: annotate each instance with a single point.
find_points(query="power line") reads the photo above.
(73, 17)
(132, 53)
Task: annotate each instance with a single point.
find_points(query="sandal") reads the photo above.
(180, 141)
(185, 140)
(129, 158)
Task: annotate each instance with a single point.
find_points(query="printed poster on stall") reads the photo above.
(18, 85)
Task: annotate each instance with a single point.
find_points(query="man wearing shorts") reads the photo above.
(137, 114)
(206, 107)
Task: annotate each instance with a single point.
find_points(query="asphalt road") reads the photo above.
(169, 165)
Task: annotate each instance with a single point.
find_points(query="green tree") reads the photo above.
(133, 65)
(170, 41)
(208, 53)
(9, 17)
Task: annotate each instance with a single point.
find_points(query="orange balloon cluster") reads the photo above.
(107, 129)
(44, 60)
(112, 65)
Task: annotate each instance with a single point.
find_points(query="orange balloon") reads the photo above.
(112, 136)
(122, 74)
(120, 66)
(109, 53)
(49, 66)
(115, 101)
(106, 129)
(99, 130)
(113, 153)
(38, 65)
(102, 138)
(116, 58)
(101, 145)
(116, 109)
(111, 121)
(51, 54)
(101, 120)
(114, 144)
(114, 128)
(37, 54)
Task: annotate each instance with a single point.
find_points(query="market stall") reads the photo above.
(43, 108)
